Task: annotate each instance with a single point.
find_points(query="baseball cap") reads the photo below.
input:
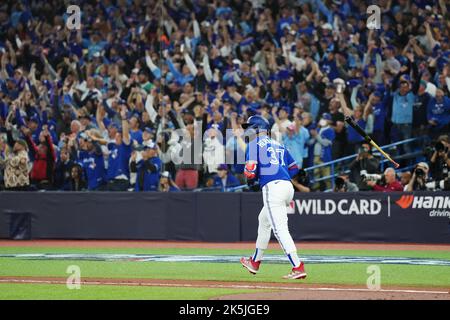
(148, 130)
(226, 100)
(222, 167)
(35, 119)
(405, 78)
(118, 127)
(237, 62)
(165, 174)
(327, 26)
(424, 165)
(150, 145)
(378, 93)
(326, 116)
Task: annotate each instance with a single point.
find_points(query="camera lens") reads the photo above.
(439, 146)
(339, 182)
(419, 172)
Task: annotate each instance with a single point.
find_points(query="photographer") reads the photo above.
(365, 163)
(343, 184)
(440, 159)
(419, 178)
(301, 181)
(387, 183)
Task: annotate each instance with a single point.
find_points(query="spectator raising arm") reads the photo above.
(153, 68)
(192, 68)
(207, 68)
(125, 125)
(99, 116)
(346, 110)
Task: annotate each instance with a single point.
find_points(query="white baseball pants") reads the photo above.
(276, 195)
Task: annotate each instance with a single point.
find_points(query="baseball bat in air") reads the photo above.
(358, 129)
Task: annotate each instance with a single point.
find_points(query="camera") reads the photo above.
(445, 171)
(440, 147)
(301, 177)
(339, 184)
(442, 185)
(419, 172)
(370, 177)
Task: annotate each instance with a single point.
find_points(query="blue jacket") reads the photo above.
(231, 181)
(148, 174)
(439, 111)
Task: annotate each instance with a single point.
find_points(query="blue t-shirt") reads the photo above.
(118, 158)
(379, 113)
(330, 69)
(402, 108)
(137, 136)
(274, 161)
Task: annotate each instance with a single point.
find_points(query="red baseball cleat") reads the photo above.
(251, 265)
(297, 273)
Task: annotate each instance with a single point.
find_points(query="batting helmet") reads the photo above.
(257, 122)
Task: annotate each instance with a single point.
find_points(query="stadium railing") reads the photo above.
(337, 166)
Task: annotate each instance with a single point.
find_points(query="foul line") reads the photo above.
(222, 286)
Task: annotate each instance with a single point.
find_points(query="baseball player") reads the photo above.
(270, 163)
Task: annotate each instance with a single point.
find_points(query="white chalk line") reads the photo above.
(222, 286)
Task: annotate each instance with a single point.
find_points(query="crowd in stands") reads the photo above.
(117, 103)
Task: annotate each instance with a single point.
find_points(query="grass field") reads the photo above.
(418, 276)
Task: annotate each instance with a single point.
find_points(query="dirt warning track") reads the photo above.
(263, 290)
(208, 245)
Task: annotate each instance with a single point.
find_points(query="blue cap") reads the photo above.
(149, 130)
(378, 93)
(285, 108)
(256, 122)
(404, 78)
(114, 125)
(326, 116)
(35, 119)
(226, 100)
(222, 167)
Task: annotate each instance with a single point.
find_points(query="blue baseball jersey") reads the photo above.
(273, 161)
(94, 167)
(118, 160)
